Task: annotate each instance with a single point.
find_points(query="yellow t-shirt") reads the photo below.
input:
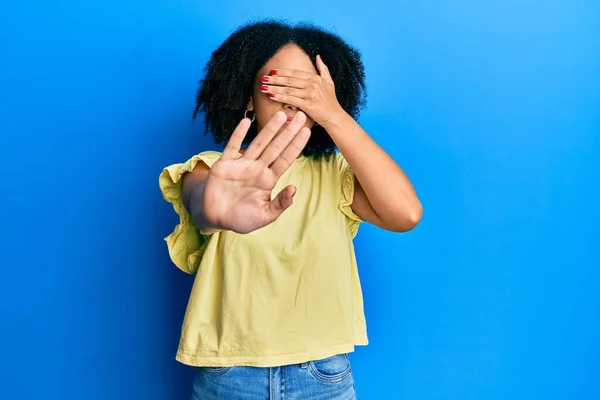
(283, 294)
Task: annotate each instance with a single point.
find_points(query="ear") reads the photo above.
(250, 105)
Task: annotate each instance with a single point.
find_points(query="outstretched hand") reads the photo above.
(237, 191)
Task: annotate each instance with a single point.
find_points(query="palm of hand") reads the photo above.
(237, 190)
(239, 193)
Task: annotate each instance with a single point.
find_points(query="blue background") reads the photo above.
(492, 108)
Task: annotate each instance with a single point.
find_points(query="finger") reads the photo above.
(266, 135)
(323, 69)
(235, 141)
(284, 81)
(291, 152)
(300, 93)
(287, 99)
(278, 145)
(283, 201)
(292, 73)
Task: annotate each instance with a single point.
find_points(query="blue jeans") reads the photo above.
(327, 379)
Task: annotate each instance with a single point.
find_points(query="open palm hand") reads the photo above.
(237, 192)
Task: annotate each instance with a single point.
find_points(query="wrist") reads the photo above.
(200, 213)
(336, 120)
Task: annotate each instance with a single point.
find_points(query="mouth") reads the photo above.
(288, 120)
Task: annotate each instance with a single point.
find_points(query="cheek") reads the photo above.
(261, 104)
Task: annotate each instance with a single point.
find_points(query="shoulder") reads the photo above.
(201, 162)
(338, 162)
(197, 167)
(333, 168)
(198, 163)
(208, 157)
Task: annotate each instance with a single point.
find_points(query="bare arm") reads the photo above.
(383, 194)
(192, 195)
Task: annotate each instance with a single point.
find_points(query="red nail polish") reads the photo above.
(265, 79)
(273, 72)
(271, 95)
(264, 87)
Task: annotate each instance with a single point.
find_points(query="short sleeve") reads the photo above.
(347, 196)
(186, 244)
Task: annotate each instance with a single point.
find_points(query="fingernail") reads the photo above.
(273, 72)
(271, 95)
(264, 87)
(264, 79)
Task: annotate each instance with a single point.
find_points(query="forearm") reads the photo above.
(195, 207)
(388, 189)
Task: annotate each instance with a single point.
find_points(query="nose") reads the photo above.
(289, 107)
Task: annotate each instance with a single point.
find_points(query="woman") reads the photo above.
(268, 223)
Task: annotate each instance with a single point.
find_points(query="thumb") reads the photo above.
(283, 200)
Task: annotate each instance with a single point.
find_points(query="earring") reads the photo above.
(253, 115)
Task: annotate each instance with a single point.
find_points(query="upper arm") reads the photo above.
(191, 179)
(362, 206)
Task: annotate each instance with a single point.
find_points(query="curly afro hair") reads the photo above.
(227, 86)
